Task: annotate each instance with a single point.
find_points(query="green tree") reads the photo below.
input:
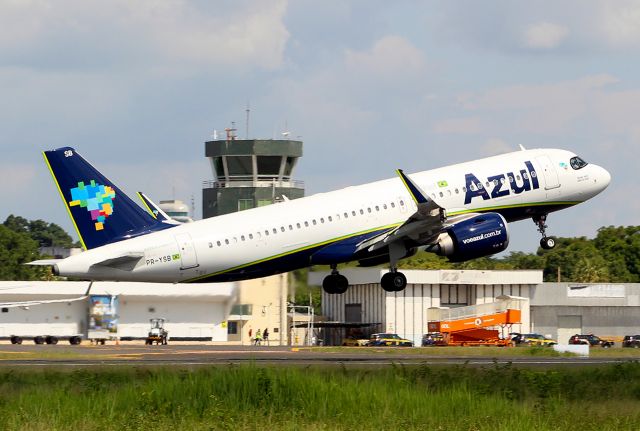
(620, 246)
(16, 249)
(46, 234)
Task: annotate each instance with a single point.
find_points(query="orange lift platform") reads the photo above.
(477, 325)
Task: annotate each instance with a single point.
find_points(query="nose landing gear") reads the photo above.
(547, 242)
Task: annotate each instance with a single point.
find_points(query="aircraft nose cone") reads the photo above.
(602, 178)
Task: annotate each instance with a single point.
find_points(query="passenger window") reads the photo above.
(275, 230)
(321, 219)
(210, 245)
(525, 176)
(464, 189)
(401, 203)
(510, 179)
(314, 222)
(361, 212)
(441, 194)
(457, 191)
(306, 224)
(298, 225)
(518, 177)
(329, 218)
(290, 227)
(282, 228)
(226, 241)
(487, 184)
(242, 237)
(235, 239)
(393, 205)
(377, 208)
(384, 206)
(219, 243)
(250, 236)
(266, 232)
(346, 215)
(368, 210)
(353, 213)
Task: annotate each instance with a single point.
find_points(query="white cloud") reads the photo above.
(621, 23)
(391, 57)
(172, 34)
(544, 35)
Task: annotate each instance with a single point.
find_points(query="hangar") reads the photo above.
(558, 310)
(192, 311)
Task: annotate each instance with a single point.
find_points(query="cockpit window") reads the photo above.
(577, 163)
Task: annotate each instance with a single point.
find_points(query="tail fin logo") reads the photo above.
(96, 198)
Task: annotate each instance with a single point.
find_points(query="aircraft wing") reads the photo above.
(155, 211)
(27, 304)
(422, 226)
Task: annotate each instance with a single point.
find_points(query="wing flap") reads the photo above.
(426, 223)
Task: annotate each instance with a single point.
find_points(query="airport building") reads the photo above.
(249, 173)
(195, 312)
(557, 310)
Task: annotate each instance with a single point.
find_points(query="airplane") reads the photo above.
(460, 211)
(25, 305)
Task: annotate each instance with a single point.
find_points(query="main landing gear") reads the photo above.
(335, 283)
(546, 242)
(394, 281)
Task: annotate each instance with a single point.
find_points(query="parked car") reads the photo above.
(433, 339)
(591, 340)
(631, 341)
(531, 340)
(354, 341)
(387, 339)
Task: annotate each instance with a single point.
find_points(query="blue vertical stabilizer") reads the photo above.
(100, 211)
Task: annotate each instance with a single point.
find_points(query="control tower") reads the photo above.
(249, 173)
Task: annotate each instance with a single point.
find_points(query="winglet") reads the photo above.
(153, 209)
(416, 193)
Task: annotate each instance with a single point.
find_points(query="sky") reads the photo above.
(137, 87)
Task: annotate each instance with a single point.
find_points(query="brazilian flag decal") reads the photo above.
(175, 256)
(442, 184)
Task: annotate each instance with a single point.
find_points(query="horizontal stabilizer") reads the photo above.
(125, 262)
(44, 262)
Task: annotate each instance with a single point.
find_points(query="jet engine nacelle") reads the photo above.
(474, 237)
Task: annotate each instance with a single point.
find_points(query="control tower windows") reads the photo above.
(288, 168)
(240, 166)
(269, 165)
(219, 167)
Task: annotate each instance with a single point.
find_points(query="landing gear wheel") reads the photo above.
(547, 243)
(393, 281)
(335, 284)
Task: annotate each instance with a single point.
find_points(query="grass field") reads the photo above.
(252, 398)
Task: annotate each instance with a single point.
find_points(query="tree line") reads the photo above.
(613, 256)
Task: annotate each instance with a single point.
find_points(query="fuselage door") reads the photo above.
(550, 175)
(188, 256)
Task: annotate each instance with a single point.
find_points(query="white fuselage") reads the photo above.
(278, 237)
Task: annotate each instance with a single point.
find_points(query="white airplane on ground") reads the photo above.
(26, 304)
(459, 211)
